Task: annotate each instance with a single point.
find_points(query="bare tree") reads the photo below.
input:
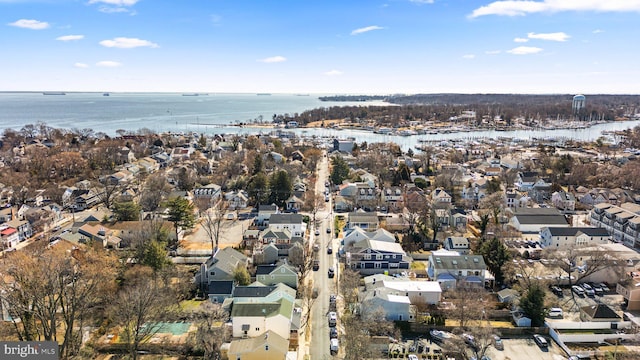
(470, 344)
(52, 293)
(211, 330)
(349, 284)
(139, 307)
(212, 220)
(462, 310)
(580, 263)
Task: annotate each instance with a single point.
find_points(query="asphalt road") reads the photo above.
(319, 345)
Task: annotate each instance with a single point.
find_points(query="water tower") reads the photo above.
(578, 103)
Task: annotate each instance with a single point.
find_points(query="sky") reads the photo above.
(321, 46)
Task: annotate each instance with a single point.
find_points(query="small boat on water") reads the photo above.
(263, 94)
(54, 93)
(106, 94)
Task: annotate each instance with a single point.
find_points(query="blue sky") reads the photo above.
(328, 46)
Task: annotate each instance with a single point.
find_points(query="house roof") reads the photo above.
(265, 269)
(276, 345)
(473, 262)
(222, 287)
(413, 285)
(378, 245)
(386, 294)
(600, 311)
(253, 291)
(282, 307)
(533, 216)
(227, 259)
(575, 231)
(285, 219)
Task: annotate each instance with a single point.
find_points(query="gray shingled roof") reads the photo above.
(573, 231)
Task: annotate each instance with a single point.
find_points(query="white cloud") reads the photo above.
(468, 56)
(216, 19)
(520, 40)
(524, 50)
(422, 1)
(70, 37)
(273, 59)
(597, 31)
(127, 43)
(30, 24)
(81, 65)
(557, 36)
(108, 63)
(521, 8)
(115, 2)
(113, 10)
(366, 29)
(492, 52)
(333, 73)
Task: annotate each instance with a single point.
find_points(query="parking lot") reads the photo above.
(526, 349)
(514, 349)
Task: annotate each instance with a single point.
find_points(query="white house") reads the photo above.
(448, 270)
(292, 222)
(418, 291)
(460, 244)
(569, 237)
(395, 307)
(357, 234)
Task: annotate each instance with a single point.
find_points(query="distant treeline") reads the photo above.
(352, 98)
(441, 107)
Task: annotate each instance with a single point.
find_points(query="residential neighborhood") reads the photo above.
(280, 247)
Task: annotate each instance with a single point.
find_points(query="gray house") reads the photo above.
(277, 274)
(220, 266)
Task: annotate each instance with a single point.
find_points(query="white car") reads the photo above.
(413, 357)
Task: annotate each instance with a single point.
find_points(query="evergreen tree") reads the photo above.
(532, 304)
(258, 188)
(126, 211)
(339, 170)
(181, 213)
(496, 256)
(280, 188)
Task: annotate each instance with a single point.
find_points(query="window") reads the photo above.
(459, 272)
(367, 256)
(378, 256)
(213, 273)
(257, 329)
(377, 265)
(266, 347)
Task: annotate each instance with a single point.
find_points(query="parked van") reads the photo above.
(333, 318)
(334, 345)
(555, 313)
(540, 340)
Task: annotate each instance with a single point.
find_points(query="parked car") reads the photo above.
(540, 340)
(317, 232)
(333, 333)
(316, 265)
(413, 357)
(333, 318)
(332, 298)
(334, 345)
(598, 289)
(316, 247)
(328, 230)
(497, 342)
(604, 287)
(555, 313)
(577, 290)
(331, 272)
(329, 250)
(557, 291)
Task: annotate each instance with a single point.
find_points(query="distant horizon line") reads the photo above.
(204, 93)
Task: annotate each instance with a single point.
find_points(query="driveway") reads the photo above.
(526, 349)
